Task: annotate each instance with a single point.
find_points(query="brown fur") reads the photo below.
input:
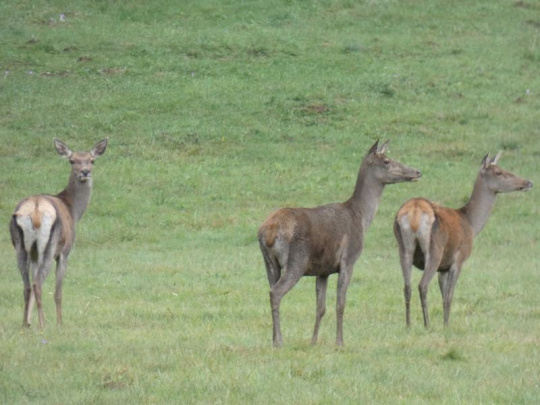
(414, 209)
(36, 216)
(435, 239)
(282, 222)
(36, 250)
(321, 241)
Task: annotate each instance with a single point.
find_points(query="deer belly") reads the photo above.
(321, 269)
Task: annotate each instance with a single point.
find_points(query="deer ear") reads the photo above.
(62, 148)
(374, 148)
(485, 162)
(383, 148)
(99, 148)
(496, 158)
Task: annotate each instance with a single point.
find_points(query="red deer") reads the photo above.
(43, 228)
(320, 241)
(440, 239)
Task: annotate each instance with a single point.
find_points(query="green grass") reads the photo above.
(219, 112)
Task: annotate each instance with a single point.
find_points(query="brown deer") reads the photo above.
(43, 228)
(440, 239)
(320, 241)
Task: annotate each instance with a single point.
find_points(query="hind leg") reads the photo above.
(273, 269)
(432, 262)
(406, 260)
(443, 279)
(282, 287)
(449, 286)
(61, 265)
(24, 264)
(273, 272)
(32, 300)
(407, 245)
(291, 273)
(24, 267)
(42, 271)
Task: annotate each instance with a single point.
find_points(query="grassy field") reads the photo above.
(219, 112)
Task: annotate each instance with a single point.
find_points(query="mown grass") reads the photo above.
(219, 112)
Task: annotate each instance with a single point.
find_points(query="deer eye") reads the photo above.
(71, 161)
(386, 161)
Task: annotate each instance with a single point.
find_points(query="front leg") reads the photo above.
(344, 279)
(321, 284)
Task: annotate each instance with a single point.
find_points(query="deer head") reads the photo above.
(386, 170)
(81, 162)
(499, 180)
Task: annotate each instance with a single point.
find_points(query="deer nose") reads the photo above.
(85, 172)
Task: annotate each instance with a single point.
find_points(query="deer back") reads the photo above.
(321, 235)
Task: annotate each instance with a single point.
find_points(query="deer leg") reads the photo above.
(423, 289)
(37, 292)
(273, 269)
(443, 279)
(61, 265)
(432, 261)
(43, 269)
(22, 258)
(407, 244)
(321, 284)
(30, 307)
(406, 260)
(344, 279)
(407, 294)
(28, 296)
(23, 263)
(449, 286)
(32, 298)
(289, 279)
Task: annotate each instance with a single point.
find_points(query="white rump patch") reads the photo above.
(42, 210)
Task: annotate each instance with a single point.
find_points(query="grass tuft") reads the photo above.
(453, 354)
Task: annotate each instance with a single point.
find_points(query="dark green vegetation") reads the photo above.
(217, 113)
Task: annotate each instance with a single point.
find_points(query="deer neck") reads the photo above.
(366, 196)
(479, 207)
(76, 196)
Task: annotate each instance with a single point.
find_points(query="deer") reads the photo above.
(327, 239)
(43, 228)
(438, 239)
